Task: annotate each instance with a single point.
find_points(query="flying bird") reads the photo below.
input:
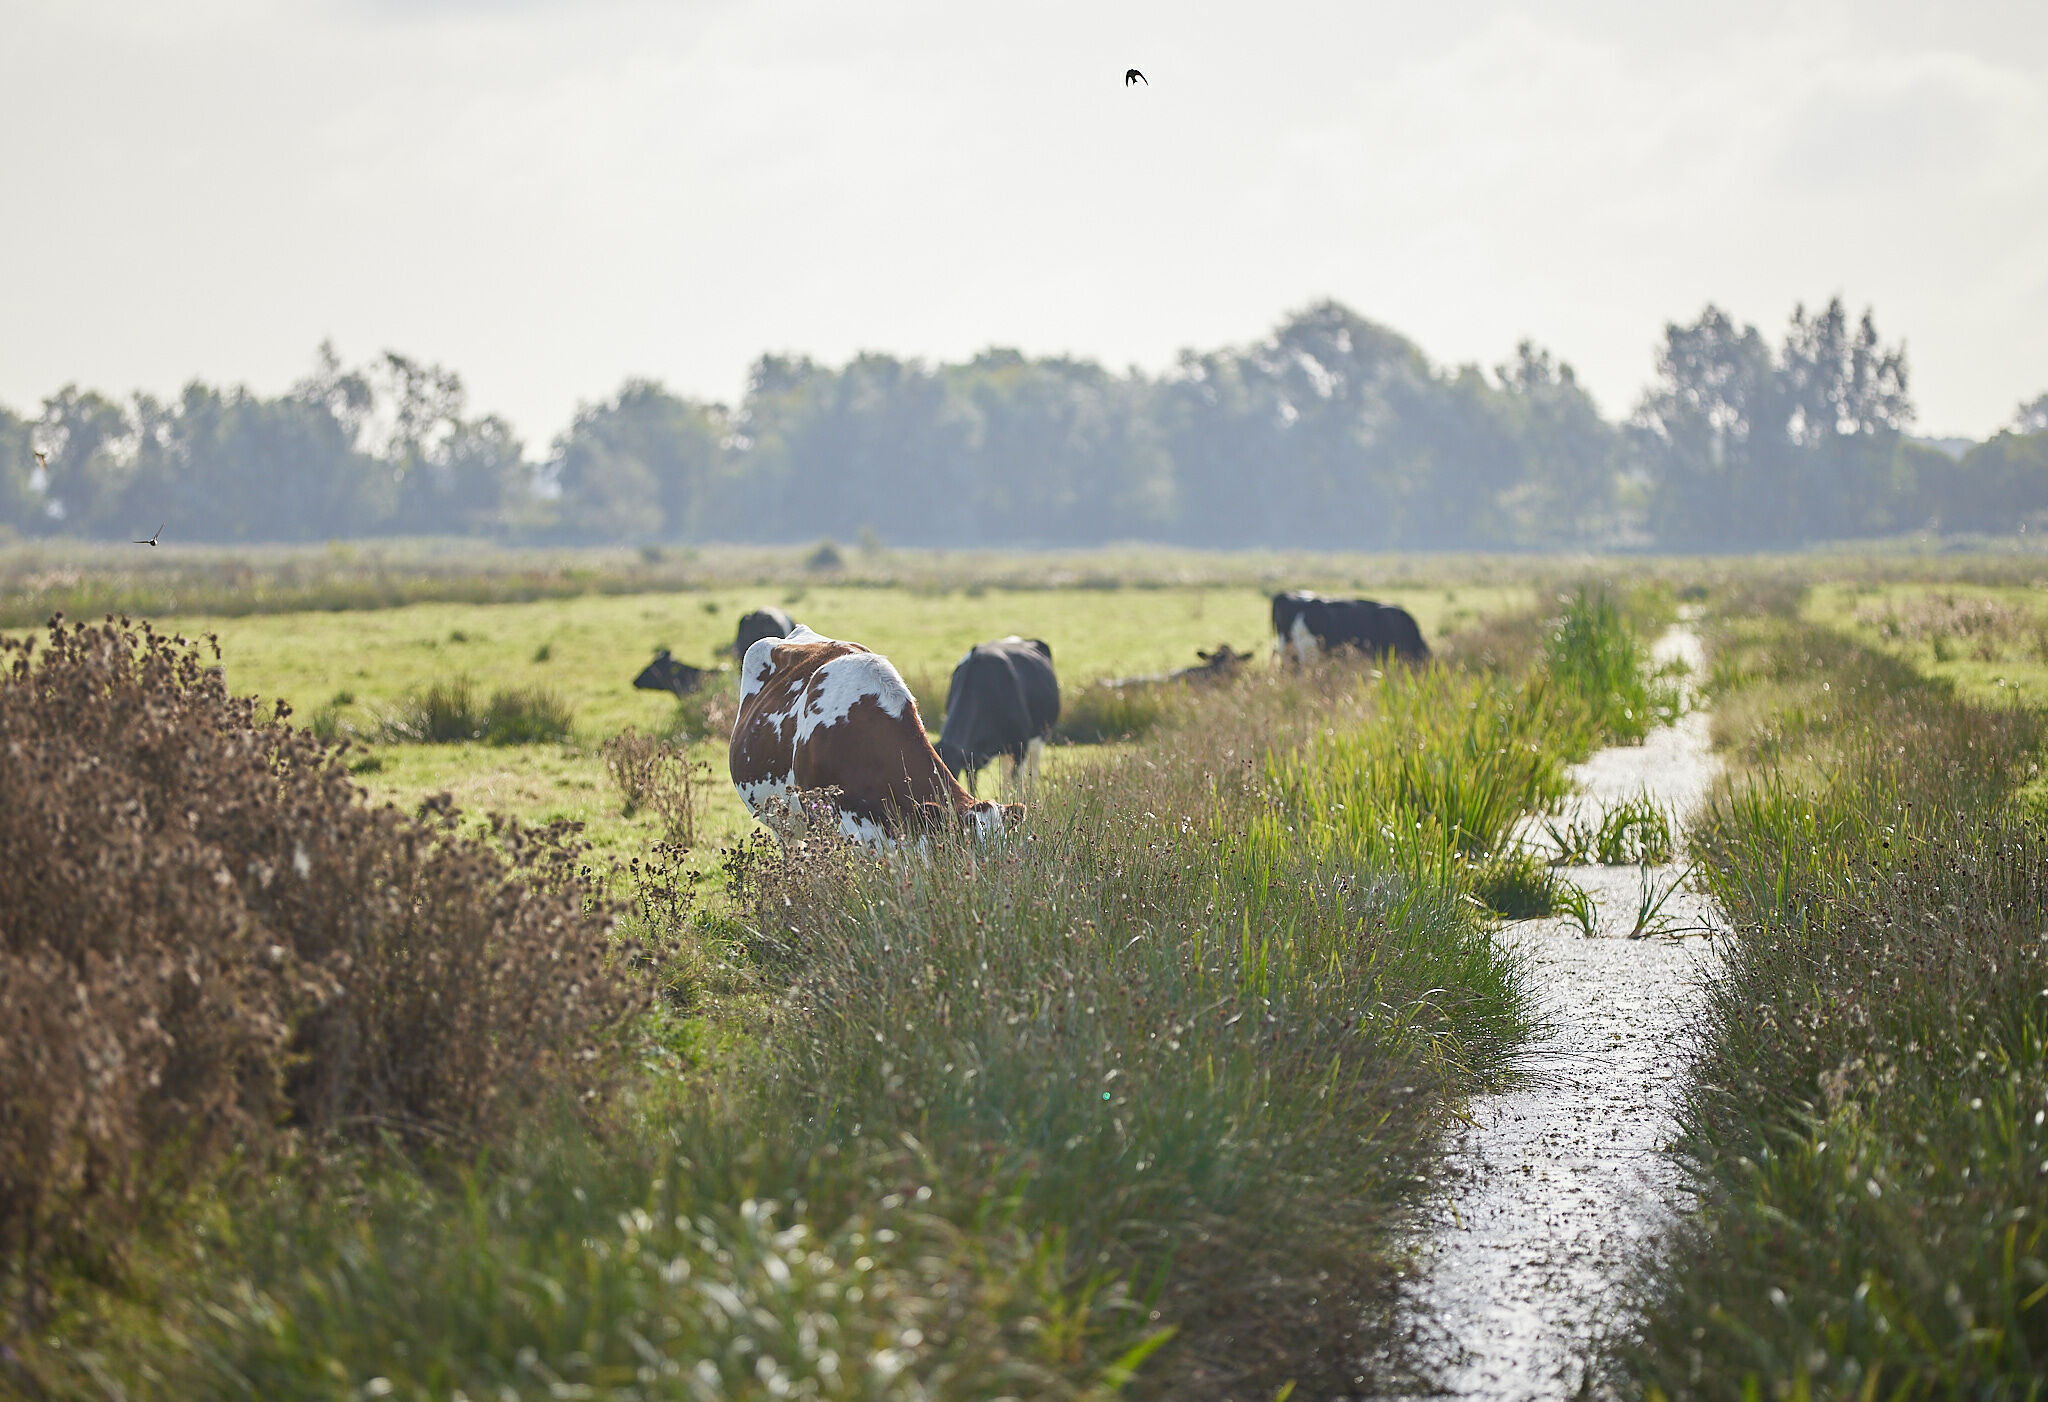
(42, 458)
(1132, 75)
(152, 539)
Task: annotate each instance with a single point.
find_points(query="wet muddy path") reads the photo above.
(1559, 1182)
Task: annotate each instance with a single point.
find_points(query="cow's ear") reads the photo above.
(1013, 815)
(1044, 647)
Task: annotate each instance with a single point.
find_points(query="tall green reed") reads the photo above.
(1594, 658)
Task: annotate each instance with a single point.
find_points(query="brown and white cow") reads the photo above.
(817, 713)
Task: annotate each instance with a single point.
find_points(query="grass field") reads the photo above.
(1990, 639)
(357, 666)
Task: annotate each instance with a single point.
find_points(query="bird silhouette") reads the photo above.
(42, 458)
(152, 539)
(1132, 75)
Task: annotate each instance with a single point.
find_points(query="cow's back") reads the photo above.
(1003, 695)
(1306, 621)
(761, 623)
(819, 713)
(1403, 634)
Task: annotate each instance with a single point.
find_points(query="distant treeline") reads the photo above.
(1331, 433)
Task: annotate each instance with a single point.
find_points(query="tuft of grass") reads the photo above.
(1577, 902)
(1651, 898)
(1634, 832)
(447, 712)
(527, 715)
(1517, 886)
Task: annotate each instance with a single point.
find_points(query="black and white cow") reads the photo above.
(761, 623)
(1308, 623)
(664, 673)
(1003, 701)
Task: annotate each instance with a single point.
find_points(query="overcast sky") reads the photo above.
(551, 196)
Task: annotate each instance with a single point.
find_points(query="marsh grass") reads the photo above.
(1634, 832)
(1207, 1053)
(1518, 886)
(1451, 763)
(1865, 1120)
(1593, 655)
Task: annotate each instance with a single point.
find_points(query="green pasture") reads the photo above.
(357, 666)
(1991, 639)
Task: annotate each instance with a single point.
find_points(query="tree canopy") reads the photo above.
(1331, 432)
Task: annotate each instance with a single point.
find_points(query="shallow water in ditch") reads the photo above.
(1558, 1184)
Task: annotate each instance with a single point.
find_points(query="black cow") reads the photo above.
(1308, 623)
(664, 673)
(761, 623)
(1003, 701)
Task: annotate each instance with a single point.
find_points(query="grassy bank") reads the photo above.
(1139, 1100)
(1865, 1124)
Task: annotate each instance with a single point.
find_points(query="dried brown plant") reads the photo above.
(651, 773)
(209, 939)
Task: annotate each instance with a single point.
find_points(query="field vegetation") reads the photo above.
(1139, 1100)
(1865, 1127)
(1989, 638)
(412, 686)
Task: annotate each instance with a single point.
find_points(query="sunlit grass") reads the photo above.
(1990, 639)
(1865, 1125)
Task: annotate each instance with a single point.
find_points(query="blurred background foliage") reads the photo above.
(1333, 432)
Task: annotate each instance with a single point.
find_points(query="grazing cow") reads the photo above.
(664, 673)
(761, 623)
(1309, 623)
(1003, 701)
(820, 714)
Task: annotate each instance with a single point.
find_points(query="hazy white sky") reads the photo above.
(550, 195)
